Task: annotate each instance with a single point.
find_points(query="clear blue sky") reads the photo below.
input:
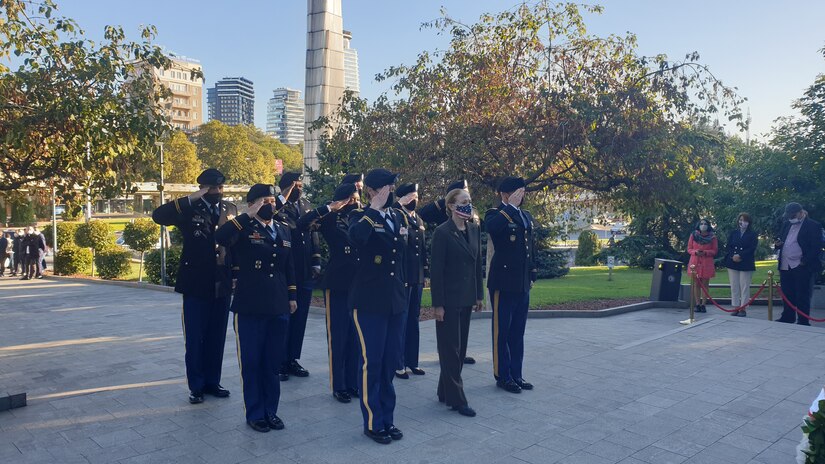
(768, 49)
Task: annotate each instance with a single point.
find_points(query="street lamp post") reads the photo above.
(162, 227)
(54, 222)
(88, 184)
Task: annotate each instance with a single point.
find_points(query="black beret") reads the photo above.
(352, 178)
(378, 178)
(459, 184)
(288, 178)
(404, 189)
(343, 192)
(511, 184)
(792, 209)
(211, 177)
(259, 191)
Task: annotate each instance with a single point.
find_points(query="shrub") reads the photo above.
(550, 263)
(587, 252)
(639, 251)
(65, 234)
(93, 234)
(141, 235)
(113, 263)
(71, 259)
(172, 262)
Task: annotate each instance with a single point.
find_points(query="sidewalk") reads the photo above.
(103, 369)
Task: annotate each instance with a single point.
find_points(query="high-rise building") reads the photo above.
(232, 101)
(351, 76)
(183, 108)
(285, 116)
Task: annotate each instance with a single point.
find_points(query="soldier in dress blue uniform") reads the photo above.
(378, 297)
(355, 179)
(512, 273)
(417, 270)
(204, 279)
(435, 213)
(342, 343)
(307, 255)
(265, 296)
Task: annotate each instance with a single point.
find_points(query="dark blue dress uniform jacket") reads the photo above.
(512, 268)
(265, 270)
(743, 245)
(418, 266)
(379, 285)
(334, 226)
(434, 213)
(204, 269)
(306, 250)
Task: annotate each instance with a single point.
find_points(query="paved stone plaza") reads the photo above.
(103, 368)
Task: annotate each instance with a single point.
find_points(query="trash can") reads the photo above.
(667, 278)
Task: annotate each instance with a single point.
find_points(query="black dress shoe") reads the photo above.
(196, 397)
(417, 371)
(342, 396)
(525, 385)
(379, 437)
(274, 422)
(353, 393)
(402, 375)
(465, 410)
(741, 313)
(258, 425)
(508, 385)
(283, 375)
(393, 432)
(216, 391)
(296, 369)
(469, 360)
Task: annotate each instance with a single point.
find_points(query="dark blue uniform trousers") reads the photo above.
(298, 323)
(409, 355)
(342, 342)
(380, 338)
(259, 340)
(204, 331)
(509, 322)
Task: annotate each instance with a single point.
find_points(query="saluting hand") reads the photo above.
(336, 205)
(199, 194)
(406, 199)
(479, 306)
(377, 201)
(255, 207)
(293, 306)
(288, 191)
(516, 197)
(439, 313)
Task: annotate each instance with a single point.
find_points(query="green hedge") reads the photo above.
(71, 259)
(65, 234)
(587, 253)
(152, 261)
(94, 234)
(113, 263)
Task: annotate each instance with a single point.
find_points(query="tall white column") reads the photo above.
(324, 69)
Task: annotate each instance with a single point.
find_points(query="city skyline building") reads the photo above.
(352, 80)
(183, 108)
(232, 101)
(285, 116)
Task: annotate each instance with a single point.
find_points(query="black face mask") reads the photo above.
(390, 200)
(411, 205)
(213, 198)
(266, 212)
(295, 194)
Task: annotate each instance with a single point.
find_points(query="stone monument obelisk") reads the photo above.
(324, 69)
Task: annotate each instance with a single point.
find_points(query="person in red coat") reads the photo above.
(702, 248)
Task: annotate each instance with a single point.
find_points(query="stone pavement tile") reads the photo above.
(680, 443)
(702, 432)
(563, 444)
(582, 457)
(152, 444)
(689, 409)
(117, 437)
(631, 440)
(727, 453)
(631, 460)
(657, 426)
(655, 455)
(655, 400)
(111, 454)
(538, 455)
(610, 450)
(641, 408)
(782, 453)
(740, 440)
(228, 455)
(156, 427)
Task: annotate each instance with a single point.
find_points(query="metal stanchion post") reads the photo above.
(693, 290)
(770, 295)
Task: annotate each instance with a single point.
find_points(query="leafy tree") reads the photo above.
(65, 234)
(75, 111)
(586, 253)
(95, 235)
(181, 163)
(141, 235)
(231, 150)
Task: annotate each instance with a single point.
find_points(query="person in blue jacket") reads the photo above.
(265, 296)
(739, 259)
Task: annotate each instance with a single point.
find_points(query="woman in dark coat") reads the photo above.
(740, 261)
(456, 287)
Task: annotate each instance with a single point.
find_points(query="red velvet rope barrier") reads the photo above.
(798, 311)
(740, 308)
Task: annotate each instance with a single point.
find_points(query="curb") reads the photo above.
(117, 283)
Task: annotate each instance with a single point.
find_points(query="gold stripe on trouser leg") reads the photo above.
(183, 324)
(364, 390)
(240, 363)
(495, 332)
(329, 341)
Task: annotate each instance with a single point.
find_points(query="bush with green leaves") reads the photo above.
(172, 263)
(65, 234)
(93, 234)
(141, 235)
(550, 263)
(71, 259)
(639, 251)
(587, 252)
(113, 263)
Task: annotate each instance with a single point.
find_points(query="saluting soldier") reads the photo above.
(378, 298)
(342, 343)
(306, 253)
(204, 279)
(417, 270)
(512, 273)
(355, 179)
(436, 213)
(265, 296)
